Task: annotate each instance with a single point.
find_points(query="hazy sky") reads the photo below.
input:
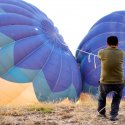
(74, 18)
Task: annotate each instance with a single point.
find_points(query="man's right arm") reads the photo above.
(100, 54)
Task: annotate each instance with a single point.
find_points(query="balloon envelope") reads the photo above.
(32, 50)
(112, 24)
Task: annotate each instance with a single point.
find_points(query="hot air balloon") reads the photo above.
(33, 52)
(86, 54)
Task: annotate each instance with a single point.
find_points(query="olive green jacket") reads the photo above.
(111, 65)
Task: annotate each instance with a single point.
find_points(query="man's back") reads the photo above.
(111, 65)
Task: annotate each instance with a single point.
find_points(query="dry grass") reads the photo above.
(23, 110)
(83, 112)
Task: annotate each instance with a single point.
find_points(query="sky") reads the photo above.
(74, 18)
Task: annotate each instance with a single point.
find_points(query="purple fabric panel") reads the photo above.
(58, 68)
(25, 46)
(65, 79)
(18, 3)
(16, 9)
(36, 59)
(76, 77)
(16, 19)
(17, 32)
(52, 67)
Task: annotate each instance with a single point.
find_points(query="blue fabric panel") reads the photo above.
(6, 58)
(41, 87)
(70, 92)
(4, 40)
(90, 89)
(1, 11)
(19, 75)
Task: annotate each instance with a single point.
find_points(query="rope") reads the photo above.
(89, 56)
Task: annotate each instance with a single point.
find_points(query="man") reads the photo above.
(112, 77)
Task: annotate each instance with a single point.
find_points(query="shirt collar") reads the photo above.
(109, 47)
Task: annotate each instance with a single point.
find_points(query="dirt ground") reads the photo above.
(82, 112)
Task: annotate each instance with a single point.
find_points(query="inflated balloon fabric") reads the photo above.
(96, 39)
(32, 50)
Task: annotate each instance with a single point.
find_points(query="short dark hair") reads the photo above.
(112, 40)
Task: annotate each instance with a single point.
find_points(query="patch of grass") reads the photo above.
(39, 108)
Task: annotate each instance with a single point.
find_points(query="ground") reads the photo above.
(83, 112)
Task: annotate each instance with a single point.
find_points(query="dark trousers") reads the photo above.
(104, 89)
